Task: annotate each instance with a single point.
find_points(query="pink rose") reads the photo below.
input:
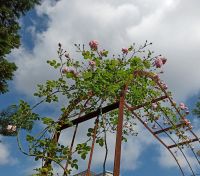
(164, 86)
(65, 70)
(182, 106)
(154, 105)
(69, 70)
(125, 50)
(11, 128)
(93, 44)
(186, 121)
(14, 128)
(92, 63)
(160, 61)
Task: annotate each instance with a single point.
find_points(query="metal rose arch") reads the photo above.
(154, 124)
(115, 91)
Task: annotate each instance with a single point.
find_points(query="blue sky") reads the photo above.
(172, 25)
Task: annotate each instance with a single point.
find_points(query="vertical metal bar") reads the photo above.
(92, 148)
(71, 147)
(118, 144)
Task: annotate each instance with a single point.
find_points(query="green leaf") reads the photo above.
(47, 120)
(83, 156)
(29, 138)
(147, 64)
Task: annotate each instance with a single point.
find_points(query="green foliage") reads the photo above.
(6, 119)
(10, 12)
(82, 150)
(47, 121)
(196, 111)
(24, 117)
(20, 116)
(6, 73)
(100, 141)
(87, 86)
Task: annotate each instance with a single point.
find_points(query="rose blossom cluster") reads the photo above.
(164, 86)
(187, 122)
(182, 106)
(11, 128)
(160, 61)
(154, 106)
(69, 70)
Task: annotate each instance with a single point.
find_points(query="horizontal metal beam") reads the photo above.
(167, 129)
(105, 110)
(182, 143)
(91, 115)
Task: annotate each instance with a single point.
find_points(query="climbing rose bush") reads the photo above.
(87, 84)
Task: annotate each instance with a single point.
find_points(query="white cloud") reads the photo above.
(174, 31)
(5, 156)
(172, 25)
(77, 21)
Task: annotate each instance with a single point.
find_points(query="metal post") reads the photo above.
(118, 144)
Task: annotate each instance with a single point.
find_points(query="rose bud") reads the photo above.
(93, 44)
(125, 50)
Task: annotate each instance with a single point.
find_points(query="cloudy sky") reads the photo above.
(172, 25)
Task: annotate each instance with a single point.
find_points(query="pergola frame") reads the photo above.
(121, 105)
